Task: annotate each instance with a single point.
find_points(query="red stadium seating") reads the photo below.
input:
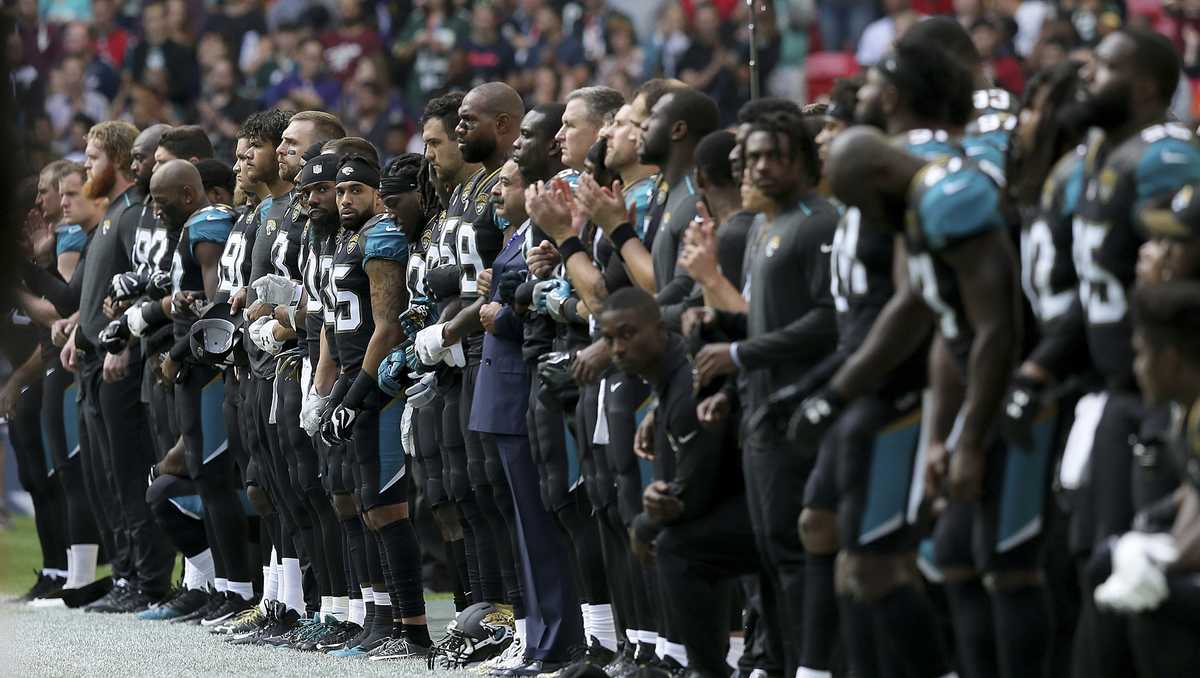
(822, 68)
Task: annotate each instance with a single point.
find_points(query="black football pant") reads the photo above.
(60, 396)
(35, 470)
(775, 476)
(698, 565)
(201, 420)
(118, 429)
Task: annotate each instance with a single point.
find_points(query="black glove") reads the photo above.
(443, 282)
(126, 286)
(159, 285)
(509, 282)
(115, 336)
(814, 416)
(524, 294)
(1022, 404)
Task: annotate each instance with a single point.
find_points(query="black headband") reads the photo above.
(395, 185)
(321, 168)
(357, 168)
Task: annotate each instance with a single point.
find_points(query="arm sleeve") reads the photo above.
(813, 333)
(45, 284)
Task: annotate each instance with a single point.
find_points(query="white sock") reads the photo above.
(737, 645)
(521, 631)
(677, 652)
(189, 574)
(293, 585)
(631, 635)
(585, 611)
(244, 589)
(221, 584)
(356, 610)
(604, 628)
(81, 565)
(205, 569)
(326, 604)
(59, 574)
(812, 673)
(339, 607)
(270, 581)
(660, 646)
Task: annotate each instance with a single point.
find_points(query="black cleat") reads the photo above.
(45, 586)
(111, 601)
(227, 607)
(343, 633)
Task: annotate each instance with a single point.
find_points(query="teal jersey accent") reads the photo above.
(385, 240)
(69, 238)
(637, 200)
(1166, 165)
(929, 144)
(210, 224)
(957, 201)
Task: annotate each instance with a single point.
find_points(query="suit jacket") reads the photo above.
(502, 387)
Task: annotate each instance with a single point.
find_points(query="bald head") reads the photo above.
(866, 171)
(178, 191)
(495, 98)
(489, 120)
(142, 164)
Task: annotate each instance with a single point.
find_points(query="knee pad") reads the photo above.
(448, 521)
(818, 531)
(260, 500)
(867, 577)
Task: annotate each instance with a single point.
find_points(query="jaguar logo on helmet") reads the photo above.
(347, 171)
(477, 634)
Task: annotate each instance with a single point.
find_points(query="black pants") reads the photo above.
(117, 427)
(554, 624)
(60, 433)
(698, 563)
(774, 476)
(187, 533)
(200, 412)
(35, 469)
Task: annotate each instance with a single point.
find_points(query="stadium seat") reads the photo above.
(822, 68)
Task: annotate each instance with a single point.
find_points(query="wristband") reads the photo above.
(569, 247)
(364, 384)
(570, 311)
(621, 235)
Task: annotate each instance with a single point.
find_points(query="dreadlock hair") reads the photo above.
(1056, 133)
(413, 168)
(444, 108)
(931, 83)
(265, 126)
(790, 126)
(757, 108)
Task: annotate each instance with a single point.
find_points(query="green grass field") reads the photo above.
(21, 556)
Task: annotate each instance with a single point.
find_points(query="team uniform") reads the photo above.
(1117, 181)
(987, 136)
(116, 421)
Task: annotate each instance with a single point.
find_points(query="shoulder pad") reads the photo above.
(384, 239)
(956, 201)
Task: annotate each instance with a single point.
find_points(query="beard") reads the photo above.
(100, 185)
(654, 151)
(355, 222)
(323, 221)
(1107, 110)
(479, 149)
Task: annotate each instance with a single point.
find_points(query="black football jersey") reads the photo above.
(316, 260)
(353, 322)
(1047, 270)
(209, 224)
(234, 269)
(1147, 167)
(480, 238)
(148, 242)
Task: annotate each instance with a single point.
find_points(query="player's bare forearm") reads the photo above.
(639, 265)
(947, 388)
(587, 280)
(208, 255)
(723, 296)
(40, 310)
(465, 323)
(986, 274)
(327, 371)
(389, 298)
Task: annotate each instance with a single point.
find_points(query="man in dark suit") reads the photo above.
(553, 622)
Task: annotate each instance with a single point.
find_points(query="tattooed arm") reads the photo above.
(389, 298)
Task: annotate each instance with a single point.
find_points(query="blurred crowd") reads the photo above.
(376, 64)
